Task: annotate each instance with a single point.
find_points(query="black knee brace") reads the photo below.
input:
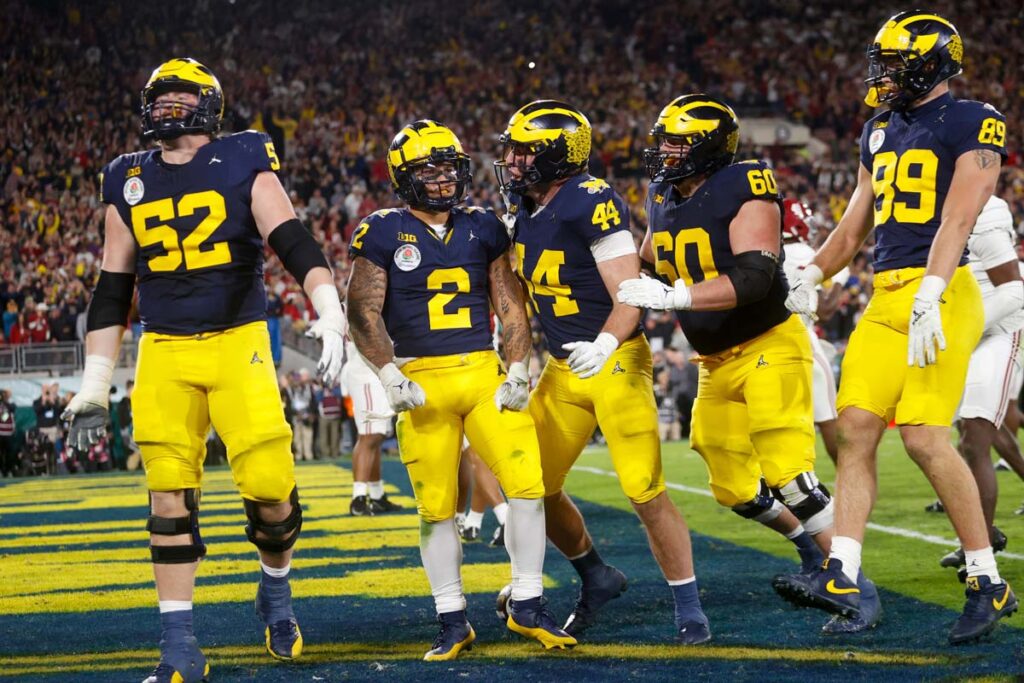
(175, 526)
(762, 508)
(808, 500)
(277, 540)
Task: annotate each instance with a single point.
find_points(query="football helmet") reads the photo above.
(911, 54)
(705, 124)
(415, 160)
(183, 75)
(797, 221)
(556, 134)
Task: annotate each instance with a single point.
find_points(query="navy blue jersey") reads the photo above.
(911, 157)
(438, 297)
(690, 238)
(200, 256)
(555, 261)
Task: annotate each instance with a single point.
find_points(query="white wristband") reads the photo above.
(326, 301)
(812, 274)
(96, 379)
(932, 287)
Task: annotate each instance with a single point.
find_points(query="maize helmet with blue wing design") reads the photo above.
(555, 134)
(705, 130)
(182, 75)
(911, 54)
(428, 168)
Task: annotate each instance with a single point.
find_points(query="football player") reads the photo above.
(186, 222)
(418, 302)
(573, 248)
(796, 231)
(372, 416)
(480, 489)
(994, 373)
(928, 165)
(714, 238)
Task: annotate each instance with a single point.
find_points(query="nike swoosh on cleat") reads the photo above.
(831, 588)
(999, 604)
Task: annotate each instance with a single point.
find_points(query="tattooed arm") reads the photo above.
(365, 301)
(509, 303)
(974, 181)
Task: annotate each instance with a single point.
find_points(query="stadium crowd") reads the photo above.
(332, 82)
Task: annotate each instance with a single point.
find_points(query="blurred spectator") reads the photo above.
(303, 412)
(48, 408)
(330, 407)
(9, 460)
(133, 457)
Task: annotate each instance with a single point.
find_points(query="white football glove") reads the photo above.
(803, 294)
(926, 323)
(646, 292)
(514, 392)
(587, 358)
(403, 394)
(88, 411)
(507, 218)
(329, 329)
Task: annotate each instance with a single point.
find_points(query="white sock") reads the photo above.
(525, 542)
(982, 563)
(441, 551)
(847, 551)
(682, 582)
(460, 519)
(275, 572)
(359, 489)
(175, 606)
(475, 519)
(501, 512)
(377, 489)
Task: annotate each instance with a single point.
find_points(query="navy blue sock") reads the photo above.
(810, 554)
(275, 598)
(176, 626)
(588, 563)
(687, 604)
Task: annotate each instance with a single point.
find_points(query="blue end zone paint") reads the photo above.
(735, 589)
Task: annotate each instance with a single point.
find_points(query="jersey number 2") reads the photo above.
(189, 249)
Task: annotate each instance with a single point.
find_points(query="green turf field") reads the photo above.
(77, 602)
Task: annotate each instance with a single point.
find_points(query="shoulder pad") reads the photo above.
(254, 146)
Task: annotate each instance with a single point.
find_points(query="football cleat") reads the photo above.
(360, 507)
(601, 586)
(182, 662)
(470, 534)
(529, 618)
(1002, 466)
(958, 560)
(274, 607)
(937, 506)
(498, 540)
(455, 635)
(694, 633)
(828, 588)
(987, 603)
(1020, 510)
(870, 612)
(382, 504)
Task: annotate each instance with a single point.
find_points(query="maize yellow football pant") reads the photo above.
(876, 376)
(460, 397)
(621, 400)
(183, 384)
(754, 414)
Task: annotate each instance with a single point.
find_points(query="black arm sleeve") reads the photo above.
(298, 251)
(111, 301)
(752, 277)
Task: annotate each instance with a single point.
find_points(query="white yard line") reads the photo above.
(891, 530)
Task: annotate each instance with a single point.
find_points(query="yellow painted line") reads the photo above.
(370, 583)
(326, 653)
(60, 577)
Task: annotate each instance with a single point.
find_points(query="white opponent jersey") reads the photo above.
(991, 244)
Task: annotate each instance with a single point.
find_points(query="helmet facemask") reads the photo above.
(178, 118)
(697, 153)
(899, 77)
(435, 183)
